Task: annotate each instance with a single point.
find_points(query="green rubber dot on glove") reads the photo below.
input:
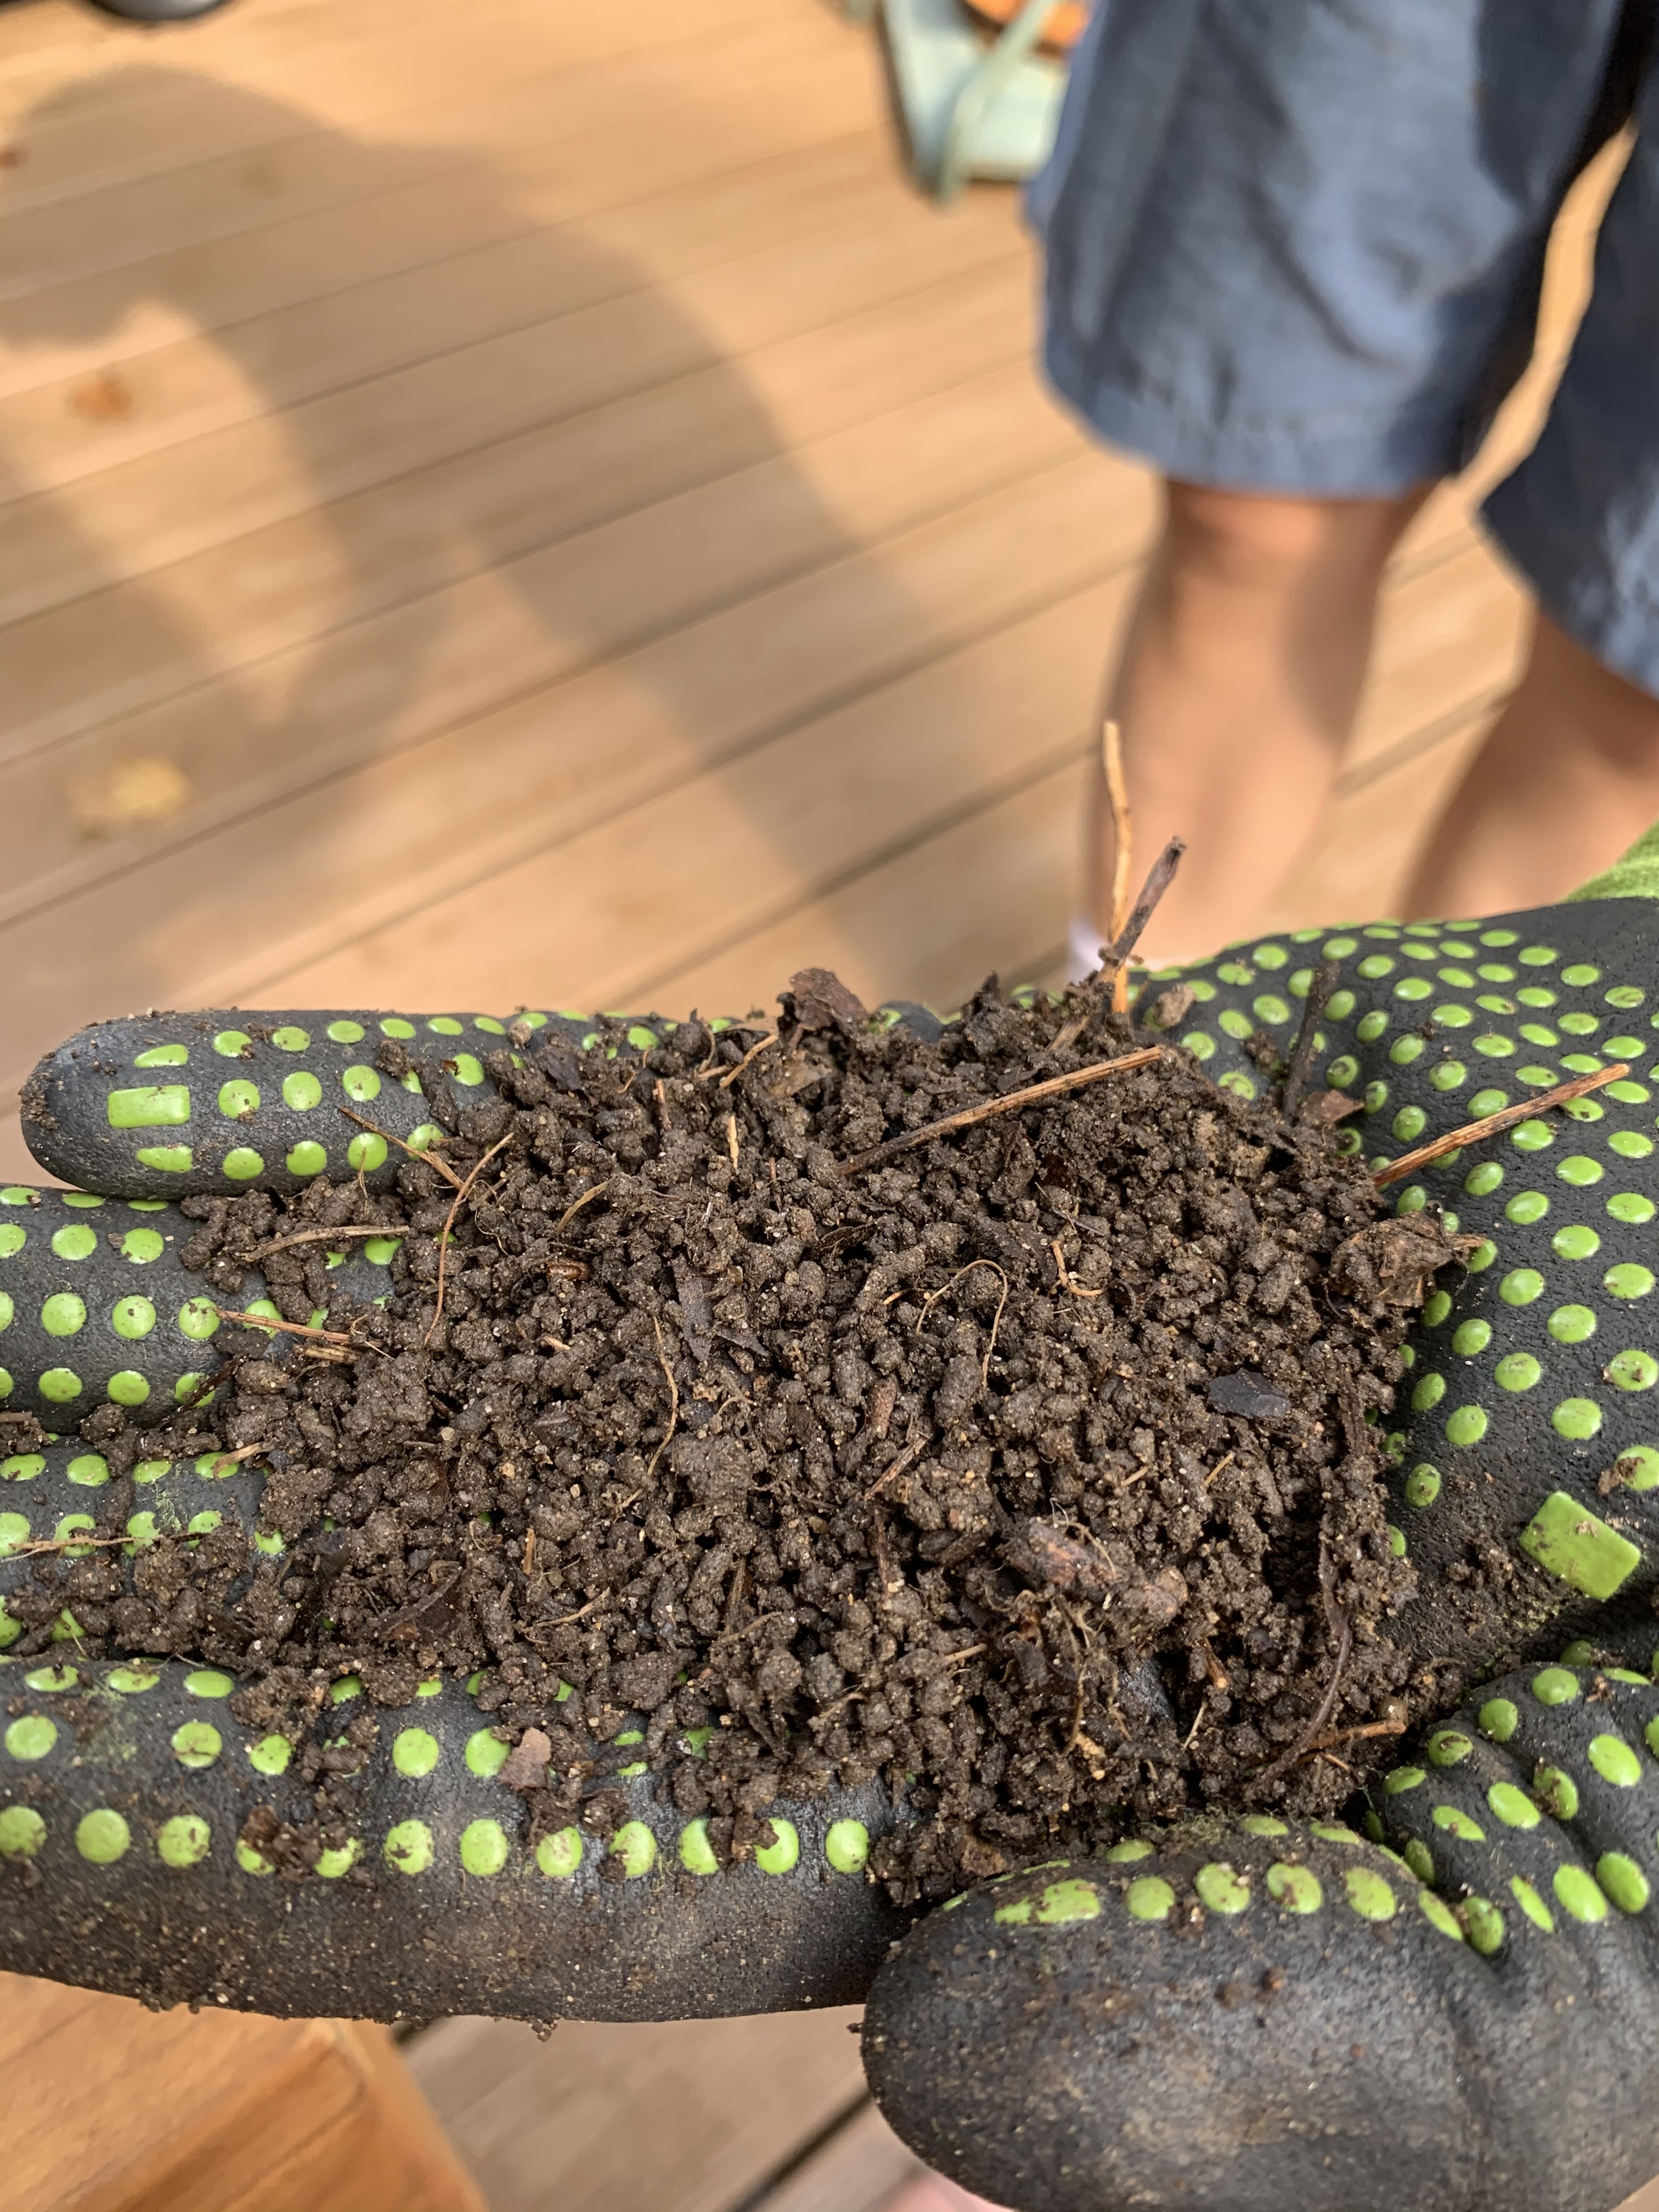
(559, 1856)
(132, 1318)
(1623, 1881)
(102, 1837)
(1629, 1280)
(1615, 1761)
(636, 1847)
(485, 1754)
(409, 1847)
(484, 1849)
(31, 1737)
(63, 1314)
(698, 1853)
(1532, 1904)
(780, 1856)
(183, 1841)
(1439, 1914)
(1554, 1685)
(1517, 1371)
(847, 1846)
(1513, 1807)
(1295, 1888)
(1578, 1893)
(1485, 1923)
(23, 1832)
(1632, 1370)
(270, 1755)
(1448, 1748)
(1467, 1426)
(1572, 1324)
(1148, 1898)
(197, 1744)
(415, 1752)
(1452, 1820)
(1369, 1894)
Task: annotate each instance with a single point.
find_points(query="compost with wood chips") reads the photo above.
(1034, 1470)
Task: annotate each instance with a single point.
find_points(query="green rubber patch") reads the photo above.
(150, 1106)
(1569, 1541)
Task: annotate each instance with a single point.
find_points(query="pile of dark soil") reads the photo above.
(1034, 1470)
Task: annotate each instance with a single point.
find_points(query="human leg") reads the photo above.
(1571, 763)
(1287, 248)
(1238, 678)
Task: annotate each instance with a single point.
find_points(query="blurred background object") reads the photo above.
(977, 87)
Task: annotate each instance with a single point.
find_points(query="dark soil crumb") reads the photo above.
(1036, 1471)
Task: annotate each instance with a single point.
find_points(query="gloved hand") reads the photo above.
(1244, 2013)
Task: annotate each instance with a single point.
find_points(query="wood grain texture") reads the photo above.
(693, 2116)
(211, 2113)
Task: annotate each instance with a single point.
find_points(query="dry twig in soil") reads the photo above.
(1031, 1095)
(1491, 1125)
(1319, 987)
(321, 1236)
(673, 1400)
(415, 1151)
(449, 1223)
(1117, 798)
(576, 1205)
(289, 1328)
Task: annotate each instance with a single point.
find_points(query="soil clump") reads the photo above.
(1034, 1470)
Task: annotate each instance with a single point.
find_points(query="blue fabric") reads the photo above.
(1297, 246)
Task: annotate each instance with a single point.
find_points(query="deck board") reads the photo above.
(555, 440)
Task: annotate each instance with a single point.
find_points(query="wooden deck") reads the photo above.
(518, 503)
(521, 503)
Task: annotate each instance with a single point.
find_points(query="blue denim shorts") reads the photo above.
(1297, 246)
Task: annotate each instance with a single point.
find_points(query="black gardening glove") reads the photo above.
(131, 1805)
